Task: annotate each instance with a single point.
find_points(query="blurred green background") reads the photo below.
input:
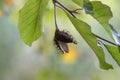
(42, 61)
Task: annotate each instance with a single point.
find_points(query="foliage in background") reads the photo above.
(5, 6)
(1, 3)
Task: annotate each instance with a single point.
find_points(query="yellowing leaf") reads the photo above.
(8, 3)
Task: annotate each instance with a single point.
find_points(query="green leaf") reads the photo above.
(113, 50)
(102, 13)
(78, 2)
(30, 20)
(85, 31)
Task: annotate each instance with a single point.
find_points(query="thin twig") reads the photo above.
(65, 8)
(104, 40)
(55, 14)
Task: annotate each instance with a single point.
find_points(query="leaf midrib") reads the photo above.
(37, 18)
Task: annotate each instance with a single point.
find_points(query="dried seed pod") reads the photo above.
(61, 39)
(62, 46)
(64, 37)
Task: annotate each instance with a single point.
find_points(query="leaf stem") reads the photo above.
(105, 40)
(55, 18)
(64, 8)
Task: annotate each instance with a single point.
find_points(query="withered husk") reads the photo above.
(64, 37)
(61, 40)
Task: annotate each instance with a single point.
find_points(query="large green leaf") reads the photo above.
(30, 20)
(85, 31)
(102, 13)
(113, 50)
